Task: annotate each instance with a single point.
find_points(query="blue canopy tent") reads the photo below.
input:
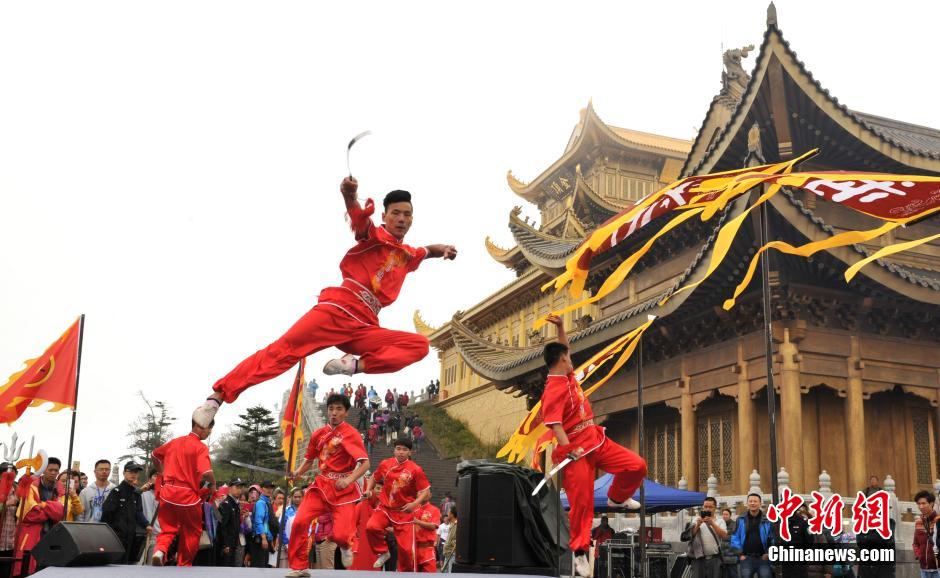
(659, 498)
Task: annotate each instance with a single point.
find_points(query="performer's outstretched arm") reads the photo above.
(304, 466)
(443, 251)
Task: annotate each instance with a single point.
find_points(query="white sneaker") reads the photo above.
(630, 504)
(298, 574)
(381, 560)
(347, 365)
(205, 413)
(157, 559)
(347, 558)
(582, 566)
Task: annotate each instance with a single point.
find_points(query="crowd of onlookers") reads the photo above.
(384, 418)
(243, 525)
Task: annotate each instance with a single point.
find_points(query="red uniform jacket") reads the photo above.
(185, 460)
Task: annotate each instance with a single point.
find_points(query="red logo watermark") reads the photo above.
(868, 513)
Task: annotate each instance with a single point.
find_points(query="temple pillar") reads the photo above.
(689, 443)
(747, 439)
(855, 421)
(791, 405)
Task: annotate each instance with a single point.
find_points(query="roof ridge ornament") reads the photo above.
(734, 78)
(771, 15)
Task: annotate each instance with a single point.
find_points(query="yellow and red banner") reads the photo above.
(894, 199)
(293, 416)
(49, 378)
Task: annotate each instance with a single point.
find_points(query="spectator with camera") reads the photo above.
(704, 535)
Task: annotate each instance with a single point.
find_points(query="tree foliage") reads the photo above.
(149, 431)
(255, 439)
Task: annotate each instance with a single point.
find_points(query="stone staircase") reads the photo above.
(441, 472)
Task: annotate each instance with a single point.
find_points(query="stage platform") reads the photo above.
(202, 571)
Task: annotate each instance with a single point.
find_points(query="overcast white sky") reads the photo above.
(171, 169)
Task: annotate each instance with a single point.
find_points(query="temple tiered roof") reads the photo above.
(793, 114)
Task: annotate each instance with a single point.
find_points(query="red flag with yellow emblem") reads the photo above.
(49, 378)
(291, 422)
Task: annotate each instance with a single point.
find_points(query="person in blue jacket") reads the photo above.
(753, 539)
(262, 538)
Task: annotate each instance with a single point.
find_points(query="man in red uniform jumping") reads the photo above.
(343, 460)
(404, 488)
(185, 466)
(567, 412)
(427, 520)
(346, 316)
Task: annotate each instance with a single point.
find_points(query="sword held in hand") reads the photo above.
(349, 147)
(278, 473)
(551, 474)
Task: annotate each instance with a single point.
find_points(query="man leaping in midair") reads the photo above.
(346, 316)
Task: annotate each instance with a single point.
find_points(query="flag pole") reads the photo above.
(78, 369)
(644, 569)
(290, 452)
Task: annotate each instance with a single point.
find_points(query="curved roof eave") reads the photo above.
(893, 276)
(775, 45)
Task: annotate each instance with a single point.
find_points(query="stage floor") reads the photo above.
(203, 571)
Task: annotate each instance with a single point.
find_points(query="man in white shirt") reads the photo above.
(94, 494)
(705, 534)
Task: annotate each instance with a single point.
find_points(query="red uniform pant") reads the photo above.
(404, 538)
(380, 350)
(628, 469)
(426, 558)
(312, 507)
(185, 521)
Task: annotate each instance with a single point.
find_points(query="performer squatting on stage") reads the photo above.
(567, 412)
(343, 460)
(347, 316)
(427, 520)
(404, 488)
(184, 466)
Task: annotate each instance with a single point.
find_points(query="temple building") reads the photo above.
(856, 366)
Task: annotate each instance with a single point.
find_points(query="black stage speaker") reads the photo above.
(490, 537)
(79, 544)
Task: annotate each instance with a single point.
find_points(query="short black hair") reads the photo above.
(405, 442)
(396, 196)
(55, 461)
(553, 352)
(338, 398)
(726, 510)
(712, 500)
(453, 511)
(99, 462)
(926, 495)
(756, 495)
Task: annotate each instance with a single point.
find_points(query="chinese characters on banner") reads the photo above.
(868, 513)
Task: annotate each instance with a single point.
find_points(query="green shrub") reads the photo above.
(452, 437)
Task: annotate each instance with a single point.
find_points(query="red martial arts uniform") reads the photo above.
(185, 460)
(563, 402)
(401, 484)
(36, 516)
(363, 557)
(346, 317)
(338, 450)
(425, 539)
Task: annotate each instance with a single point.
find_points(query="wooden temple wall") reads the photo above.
(866, 405)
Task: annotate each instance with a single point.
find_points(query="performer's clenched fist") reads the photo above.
(349, 186)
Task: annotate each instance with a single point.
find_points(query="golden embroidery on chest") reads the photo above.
(330, 447)
(396, 258)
